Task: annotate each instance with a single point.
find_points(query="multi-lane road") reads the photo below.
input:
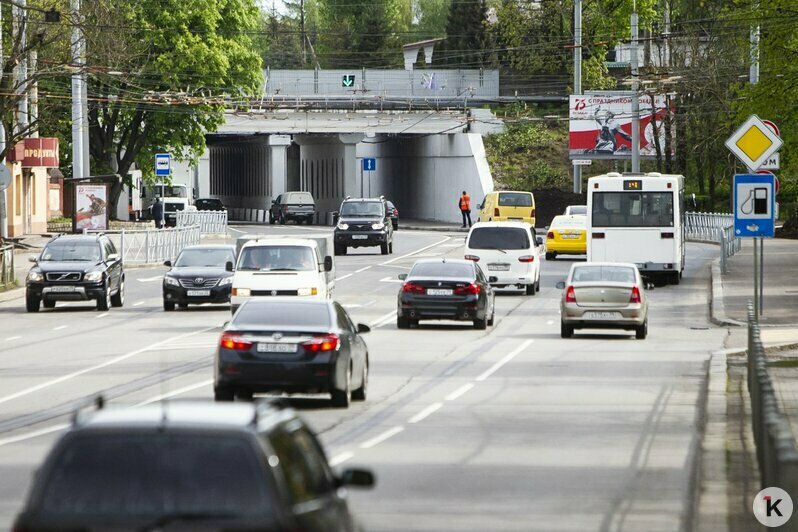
(512, 428)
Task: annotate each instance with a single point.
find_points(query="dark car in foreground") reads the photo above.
(199, 275)
(76, 268)
(363, 222)
(190, 465)
(292, 345)
(445, 289)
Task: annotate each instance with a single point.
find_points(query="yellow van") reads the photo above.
(508, 205)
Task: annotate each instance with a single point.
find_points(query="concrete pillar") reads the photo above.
(278, 163)
(352, 175)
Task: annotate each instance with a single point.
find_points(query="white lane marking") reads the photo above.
(344, 277)
(381, 438)
(98, 316)
(120, 358)
(512, 354)
(395, 259)
(183, 347)
(455, 245)
(424, 413)
(150, 279)
(390, 280)
(378, 321)
(13, 338)
(138, 304)
(363, 269)
(460, 391)
(236, 230)
(179, 391)
(60, 327)
(341, 458)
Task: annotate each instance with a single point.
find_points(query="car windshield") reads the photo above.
(299, 197)
(362, 208)
(277, 258)
(632, 209)
(169, 191)
(498, 238)
(72, 251)
(515, 199)
(437, 270)
(282, 314)
(156, 473)
(592, 274)
(577, 209)
(197, 258)
(568, 221)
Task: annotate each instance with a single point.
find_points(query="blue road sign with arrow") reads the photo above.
(754, 205)
(369, 164)
(348, 80)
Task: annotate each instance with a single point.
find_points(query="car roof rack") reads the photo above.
(98, 401)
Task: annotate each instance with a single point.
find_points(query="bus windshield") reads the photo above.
(632, 209)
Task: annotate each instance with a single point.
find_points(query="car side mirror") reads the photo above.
(167, 263)
(539, 240)
(328, 263)
(33, 259)
(363, 328)
(493, 279)
(113, 256)
(560, 285)
(402, 276)
(228, 266)
(362, 478)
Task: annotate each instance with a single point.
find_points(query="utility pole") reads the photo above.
(302, 32)
(77, 93)
(3, 215)
(34, 93)
(19, 23)
(577, 77)
(753, 78)
(635, 98)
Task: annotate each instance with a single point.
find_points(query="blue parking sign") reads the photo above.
(754, 205)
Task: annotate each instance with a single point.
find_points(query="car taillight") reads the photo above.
(666, 235)
(496, 211)
(322, 342)
(412, 288)
(396, 212)
(526, 258)
(550, 235)
(570, 295)
(533, 212)
(472, 257)
(635, 298)
(598, 235)
(469, 289)
(235, 342)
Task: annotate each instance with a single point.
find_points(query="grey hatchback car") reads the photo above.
(603, 295)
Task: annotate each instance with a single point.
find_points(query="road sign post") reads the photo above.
(369, 165)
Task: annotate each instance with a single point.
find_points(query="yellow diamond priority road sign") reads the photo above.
(753, 143)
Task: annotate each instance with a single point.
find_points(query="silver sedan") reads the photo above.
(603, 295)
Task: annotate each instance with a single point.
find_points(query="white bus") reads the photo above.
(637, 218)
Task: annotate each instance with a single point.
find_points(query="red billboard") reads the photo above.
(33, 152)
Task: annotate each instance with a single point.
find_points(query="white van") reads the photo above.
(279, 266)
(509, 251)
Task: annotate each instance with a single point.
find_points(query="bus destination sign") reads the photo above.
(632, 184)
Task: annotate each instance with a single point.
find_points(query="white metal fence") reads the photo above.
(210, 222)
(715, 227)
(153, 245)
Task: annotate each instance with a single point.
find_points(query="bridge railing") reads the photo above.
(152, 245)
(6, 265)
(714, 227)
(210, 222)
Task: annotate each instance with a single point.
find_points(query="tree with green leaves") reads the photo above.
(467, 39)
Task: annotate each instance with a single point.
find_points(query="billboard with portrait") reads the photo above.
(91, 207)
(600, 126)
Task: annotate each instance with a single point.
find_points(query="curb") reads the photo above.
(434, 228)
(717, 309)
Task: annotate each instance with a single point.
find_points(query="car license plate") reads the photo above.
(499, 267)
(569, 236)
(198, 293)
(62, 289)
(276, 348)
(439, 291)
(603, 315)
(359, 237)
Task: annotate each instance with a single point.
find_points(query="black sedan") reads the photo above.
(292, 345)
(445, 289)
(199, 275)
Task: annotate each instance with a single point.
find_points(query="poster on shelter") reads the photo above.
(91, 207)
(601, 126)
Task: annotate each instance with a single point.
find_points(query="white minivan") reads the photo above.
(275, 266)
(509, 251)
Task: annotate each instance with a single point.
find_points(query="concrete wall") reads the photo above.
(238, 173)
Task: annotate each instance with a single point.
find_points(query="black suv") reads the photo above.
(190, 465)
(364, 222)
(298, 206)
(209, 204)
(76, 268)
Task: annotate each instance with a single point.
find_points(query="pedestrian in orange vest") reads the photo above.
(465, 208)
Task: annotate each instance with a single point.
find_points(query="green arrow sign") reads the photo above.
(348, 80)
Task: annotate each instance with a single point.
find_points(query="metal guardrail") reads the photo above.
(7, 265)
(776, 450)
(210, 222)
(153, 245)
(715, 227)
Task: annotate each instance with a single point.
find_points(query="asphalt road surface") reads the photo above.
(512, 428)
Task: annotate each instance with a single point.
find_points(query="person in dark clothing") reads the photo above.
(157, 213)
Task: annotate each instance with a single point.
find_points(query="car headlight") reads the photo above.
(343, 227)
(246, 292)
(226, 281)
(170, 281)
(35, 277)
(93, 277)
(377, 226)
(307, 291)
